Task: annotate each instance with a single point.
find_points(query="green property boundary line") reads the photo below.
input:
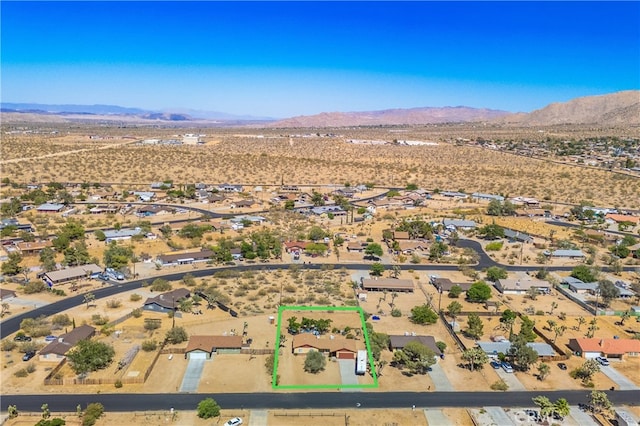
(357, 309)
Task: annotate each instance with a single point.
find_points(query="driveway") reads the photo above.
(620, 380)
(348, 374)
(191, 378)
(437, 417)
(511, 380)
(440, 380)
(582, 418)
(499, 417)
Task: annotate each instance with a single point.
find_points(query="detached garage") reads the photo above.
(203, 347)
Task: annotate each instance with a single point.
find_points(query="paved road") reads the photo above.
(123, 402)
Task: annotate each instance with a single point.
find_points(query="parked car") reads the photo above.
(236, 421)
(496, 365)
(507, 367)
(50, 338)
(22, 338)
(602, 361)
(562, 366)
(28, 355)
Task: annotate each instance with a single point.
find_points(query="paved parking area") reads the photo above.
(511, 380)
(440, 380)
(191, 378)
(620, 380)
(348, 374)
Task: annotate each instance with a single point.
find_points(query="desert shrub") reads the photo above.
(114, 303)
(314, 362)
(135, 297)
(31, 367)
(58, 292)
(36, 327)
(136, 313)
(61, 320)
(500, 385)
(160, 285)
(395, 312)
(98, 319)
(149, 345)
(118, 384)
(540, 312)
(21, 373)
(289, 288)
(32, 287)
(28, 346)
(208, 408)
(494, 246)
(8, 345)
(177, 335)
(93, 412)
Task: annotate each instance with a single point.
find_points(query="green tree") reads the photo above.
(314, 362)
(561, 407)
(377, 269)
(453, 309)
(423, 315)
(474, 326)
(77, 254)
(584, 273)
(89, 355)
(437, 250)
(492, 231)
(543, 370)
(544, 404)
(176, 335)
(12, 266)
(316, 233)
(608, 291)
(586, 371)
(208, 408)
(600, 401)
(475, 356)
(117, 256)
(416, 357)
(479, 292)
(12, 208)
(100, 235)
(48, 259)
(522, 354)
(455, 291)
(495, 273)
(373, 249)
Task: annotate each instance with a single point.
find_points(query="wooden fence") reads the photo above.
(453, 334)
(248, 351)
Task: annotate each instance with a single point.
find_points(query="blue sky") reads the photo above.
(283, 59)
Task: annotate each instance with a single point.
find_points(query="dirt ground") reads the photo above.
(356, 417)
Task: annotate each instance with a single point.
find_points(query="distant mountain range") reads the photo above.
(621, 108)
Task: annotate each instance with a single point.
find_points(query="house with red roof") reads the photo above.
(611, 348)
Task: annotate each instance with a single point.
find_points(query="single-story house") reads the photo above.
(517, 236)
(145, 195)
(334, 210)
(521, 286)
(203, 347)
(565, 253)
(6, 294)
(623, 218)
(241, 203)
(291, 246)
(492, 349)
(398, 342)
(103, 209)
(121, 234)
(50, 208)
(445, 284)
(57, 350)
(253, 219)
(70, 274)
(486, 197)
(389, 284)
(339, 348)
(29, 248)
(18, 225)
(358, 246)
(612, 348)
(453, 194)
(166, 302)
(184, 258)
(453, 224)
(227, 187)
(410, 246)
(580, 287)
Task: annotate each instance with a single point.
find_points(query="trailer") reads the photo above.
(361, 363)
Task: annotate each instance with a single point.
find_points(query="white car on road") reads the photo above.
(236, 421)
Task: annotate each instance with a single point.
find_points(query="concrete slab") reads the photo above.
(191, 378)
(437, 418)
(499, 417)
(581, 417)
(511, 380)
(619, 379)
(348, 374)
(440, 380)
(258, 418)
